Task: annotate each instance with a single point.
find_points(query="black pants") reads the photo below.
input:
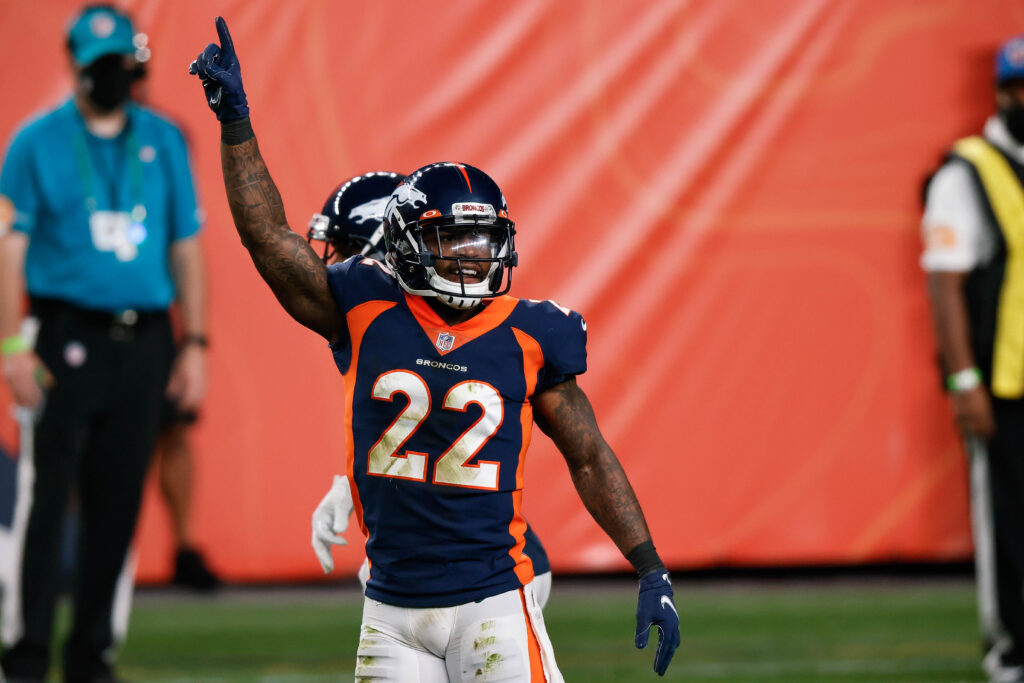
(95, 434)
(1000, 536)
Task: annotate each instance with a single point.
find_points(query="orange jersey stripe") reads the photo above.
(517, 527)
(533, 361)
(358, 321)
(536, 663)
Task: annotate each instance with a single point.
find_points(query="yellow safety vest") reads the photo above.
(1006, 198)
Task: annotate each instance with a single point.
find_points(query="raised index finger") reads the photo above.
(227, 46)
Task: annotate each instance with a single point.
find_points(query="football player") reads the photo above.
(351, 223)
(445, 375)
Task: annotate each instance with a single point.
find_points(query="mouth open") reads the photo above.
(472, 273)
(466, 272)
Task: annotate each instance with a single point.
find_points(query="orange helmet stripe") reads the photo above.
(465, 175)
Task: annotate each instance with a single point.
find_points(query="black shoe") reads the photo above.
(102, 674)
(108, 677)
(190, 571)
(24, 663)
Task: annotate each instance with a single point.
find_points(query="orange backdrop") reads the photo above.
(727, 191)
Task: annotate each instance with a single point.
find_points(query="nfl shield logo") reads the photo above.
(444, 342)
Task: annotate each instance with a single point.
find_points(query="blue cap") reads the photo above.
(1010, 60)
(100, 30)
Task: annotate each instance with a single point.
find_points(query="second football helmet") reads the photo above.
(350, 222)
(448, 235)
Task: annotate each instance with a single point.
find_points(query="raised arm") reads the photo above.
(284, 259)
(564, 413)
(296, 275)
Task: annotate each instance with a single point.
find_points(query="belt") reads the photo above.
(122, 324)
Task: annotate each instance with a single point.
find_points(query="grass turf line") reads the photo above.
(801, 633)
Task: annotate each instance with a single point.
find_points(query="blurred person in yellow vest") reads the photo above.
(973, 230)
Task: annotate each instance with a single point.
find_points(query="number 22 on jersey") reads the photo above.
(451, 468)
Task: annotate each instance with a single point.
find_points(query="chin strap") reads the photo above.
(460, 302)
(454, 299)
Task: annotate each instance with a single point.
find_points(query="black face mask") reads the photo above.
(1013, 117)
(107, 82)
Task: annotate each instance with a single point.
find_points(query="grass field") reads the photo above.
(864, 630)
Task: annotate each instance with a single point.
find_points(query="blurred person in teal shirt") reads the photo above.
(98, 226)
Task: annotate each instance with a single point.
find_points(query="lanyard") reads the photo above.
(88, 171)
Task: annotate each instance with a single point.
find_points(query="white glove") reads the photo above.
(329, 519)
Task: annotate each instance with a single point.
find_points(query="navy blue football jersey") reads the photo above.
(439, 419)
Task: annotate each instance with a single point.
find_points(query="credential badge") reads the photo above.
(445, 341)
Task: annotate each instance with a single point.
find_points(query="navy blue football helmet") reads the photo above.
(350, 222)
(448, 235)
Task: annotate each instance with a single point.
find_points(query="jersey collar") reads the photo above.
(446, 338)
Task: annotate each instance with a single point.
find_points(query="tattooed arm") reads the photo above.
(296, 275)
(564, 413)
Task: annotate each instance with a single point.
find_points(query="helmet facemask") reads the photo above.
(460, 261)
(319, 230)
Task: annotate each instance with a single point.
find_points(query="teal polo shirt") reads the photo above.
(100, 213)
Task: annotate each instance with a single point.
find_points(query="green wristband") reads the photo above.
(964, 380)
(14, 344)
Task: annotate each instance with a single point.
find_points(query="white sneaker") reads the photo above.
(998, 672)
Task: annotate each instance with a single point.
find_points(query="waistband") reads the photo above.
(41, 307)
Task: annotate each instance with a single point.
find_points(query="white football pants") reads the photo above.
(501, 638)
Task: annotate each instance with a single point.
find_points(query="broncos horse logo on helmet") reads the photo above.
(448, 235)
(350, 222)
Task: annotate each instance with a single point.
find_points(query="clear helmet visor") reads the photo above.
(465, 260)
(469, 242)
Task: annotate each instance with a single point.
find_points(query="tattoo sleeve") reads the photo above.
(564, 413)
(296, 275)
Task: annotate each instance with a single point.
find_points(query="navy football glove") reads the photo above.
(221, 74)
(655, 608)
